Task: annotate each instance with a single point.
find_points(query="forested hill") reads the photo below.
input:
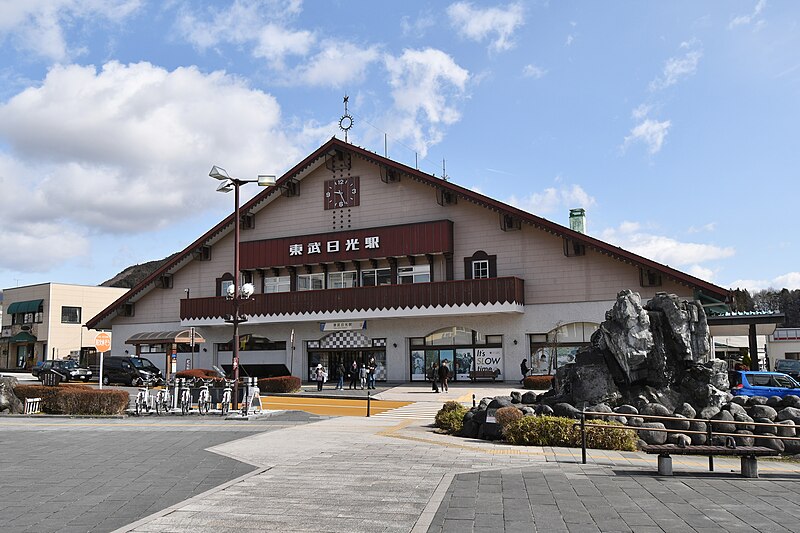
(132, 275)
(784, 301)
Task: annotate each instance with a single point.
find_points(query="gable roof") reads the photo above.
(313, 160)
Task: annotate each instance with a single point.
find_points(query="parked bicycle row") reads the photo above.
(184, 395)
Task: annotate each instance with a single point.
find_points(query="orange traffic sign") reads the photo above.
(102, 342)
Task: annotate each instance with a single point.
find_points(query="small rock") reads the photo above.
(745, 439)
(678, 439)
(775, 444)
(774, 402)
(529, 398)
(542, 410)
(678, 422)
(734, 409)
(763, 411)
(786, 428)
(741, 400)
(635, 421)
(527, 410)
(756, 400)
(650, 434)
(626, 409)
(599, 408)
(500, 401)
(566, 410)
(723, 416)
(516, 396)
(791, 400)
(764, 430)
(686, 410)
(789, 413)
(654, 409)
(743, 418)
(708, 412)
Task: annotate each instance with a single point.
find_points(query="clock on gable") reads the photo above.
(341, 192)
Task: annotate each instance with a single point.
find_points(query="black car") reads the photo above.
(69, 370)
(132, 371)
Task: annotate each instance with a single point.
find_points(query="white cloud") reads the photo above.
(495, 23)
(677, 68)
(641, 112)
(711, 226)
(666, 250)
(337, 64)
(790, 280)
(425, 84)
(124, 149)
(651, 133)
(532, 71)
(38, 26)
(743, 20)
(701, 272)
(418, 26)
(569, 40)
(553, 200)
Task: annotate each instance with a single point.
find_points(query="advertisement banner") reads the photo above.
(463, 363)
(418, 365)
(490, 359)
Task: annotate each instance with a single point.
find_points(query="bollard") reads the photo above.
(583, 436)
(368, 398)
(473, 400)
(709, 436)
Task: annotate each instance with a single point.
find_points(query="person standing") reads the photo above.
(321, 376)
(362, 374)
(523, 367)
(353, 376)
(340, 370)
(444, 374)
(373, 366)
(434, 376)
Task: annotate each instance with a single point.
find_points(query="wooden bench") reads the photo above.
(483, 374)
(748, 454)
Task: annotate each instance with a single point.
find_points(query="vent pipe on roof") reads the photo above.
(577, 220)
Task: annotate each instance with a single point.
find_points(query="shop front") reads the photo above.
(345, 347)
(464, 350)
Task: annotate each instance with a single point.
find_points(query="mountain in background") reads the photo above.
(133, 275)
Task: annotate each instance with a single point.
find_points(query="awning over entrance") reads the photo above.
(30, 306)
(21, 337)
(180, 336)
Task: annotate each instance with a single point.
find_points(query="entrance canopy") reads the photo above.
(30, 306)
(180, 336)
(21, 337)
(736, 324)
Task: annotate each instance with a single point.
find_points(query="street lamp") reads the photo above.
(228, 184)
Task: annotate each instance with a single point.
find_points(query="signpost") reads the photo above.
(103, 344)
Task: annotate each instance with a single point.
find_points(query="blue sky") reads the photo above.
(674, 124)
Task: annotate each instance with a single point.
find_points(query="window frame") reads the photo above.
(65, 308)
(376, 274)
(413, 272)
(313, 276)
(277, 286)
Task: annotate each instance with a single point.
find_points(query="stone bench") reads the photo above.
(482, 374)
(748, 454)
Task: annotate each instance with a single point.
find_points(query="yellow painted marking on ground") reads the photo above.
(330, 406)
(466, 398)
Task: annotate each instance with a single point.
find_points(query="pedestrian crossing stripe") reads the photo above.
(416, 411)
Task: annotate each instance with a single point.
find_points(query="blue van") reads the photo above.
(753, 383)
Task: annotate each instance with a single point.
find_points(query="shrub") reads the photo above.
(450, 417)
(538, 382)
(199, 373)
(557, 431)
(75, 399)
(506, 415)
(279, 384)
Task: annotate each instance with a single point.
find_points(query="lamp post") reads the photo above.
(228, 184)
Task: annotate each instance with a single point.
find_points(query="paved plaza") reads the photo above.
(294, 472)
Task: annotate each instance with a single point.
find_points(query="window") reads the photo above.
(414, 274)
(375, 277)
(223, 283)
(310, 282)
(70, 315)
(480, 266)
(342, 280)
(649, 278)
(26, 318)
(480, 269)
(277, 284)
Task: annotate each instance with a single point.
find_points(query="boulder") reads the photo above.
(527, 410)
(529, 398)
(9, 403)
(687, 335)
(786, 428)
(679, 439)
(484, 403)
(686, 410)
(678, 422)
(566, 410)
(738, 417)
(763, 411)
(635, 421)
(489, 431)
(650, 434)
(764, 430)
(789, 413)
(698, 439)
(516, 397)
(755, 400)
(775, 402)
(723, 416)
(734, 408)
(625, 334)
(698, 426)
(791, 446)
(741, 400)
(626, 409)
(655, 409)
(542, 410)
(708, 412)
(599, 408)
(775, 444)
(499, 401)
(746, 439)
(791, 400)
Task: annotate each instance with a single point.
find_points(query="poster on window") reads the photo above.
(490, 359)
(417, 365)
(463, 363)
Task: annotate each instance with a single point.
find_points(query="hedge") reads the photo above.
(450, 417)
(538, 382)
(279, 384)
(557, 431)
(75, 399)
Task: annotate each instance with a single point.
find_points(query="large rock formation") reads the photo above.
(642, 354)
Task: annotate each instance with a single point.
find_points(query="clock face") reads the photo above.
(341, 192)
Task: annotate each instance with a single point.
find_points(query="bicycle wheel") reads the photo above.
(184, 406)
(225, 407)
(202, 406)
(161, 405)
(137, 407)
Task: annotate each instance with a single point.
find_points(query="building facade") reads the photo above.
(45, 321)
(354, 256)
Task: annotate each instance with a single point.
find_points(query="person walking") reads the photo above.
(434, 376)
(321, 376)
(353, 376)
(362, 374)
(340, 370)
(523, 367)
(371, 368)
(444, 374)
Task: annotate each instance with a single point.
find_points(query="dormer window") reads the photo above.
(649, 278)
(480, 266)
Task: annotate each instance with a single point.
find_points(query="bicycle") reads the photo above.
(204, 399)
(163, 401)
(225, 404)
(185, 397)
(143, 400)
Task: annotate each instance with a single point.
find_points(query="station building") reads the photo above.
(354, 255)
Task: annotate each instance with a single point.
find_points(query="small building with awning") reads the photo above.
(750, 325)
(174, 348)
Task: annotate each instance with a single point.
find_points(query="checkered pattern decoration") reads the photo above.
(379, 343)
(345, 339)
(380, 372)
